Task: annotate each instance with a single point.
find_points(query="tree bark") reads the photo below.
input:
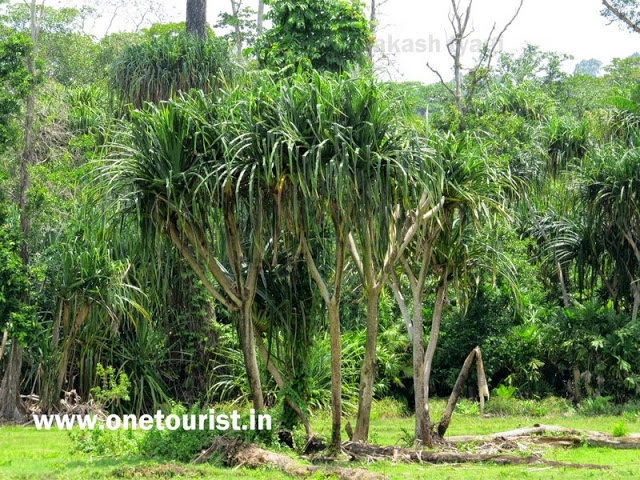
(3, 345)
(260, 19)
(336, 374)
(197, 18)
(10, 405)
(636, 302)
(428, 356)
(365, 452)
(418, 365)
(248, 346)
(457, 390)
(332, 302)
(367, 374)
(373, 17)
(235, 10)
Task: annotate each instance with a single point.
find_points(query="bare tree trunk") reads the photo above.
(563, 284)
(235, 11)
(197, 18)
(636, 302)
(5, 337)
(431, 348)
(10, 405)
(248, 346)
(332, 302)
(418, 365)
(372, 25)
(367, 374)
(336, 374)
(260, 20)
(457, 390)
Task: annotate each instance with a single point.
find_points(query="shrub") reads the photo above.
(181, 445)
(105, 442)
(597, 406)
(620, 429)
(505, 391)
(388, 408)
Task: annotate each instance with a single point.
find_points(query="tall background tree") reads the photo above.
(626, 12)
(197, 18)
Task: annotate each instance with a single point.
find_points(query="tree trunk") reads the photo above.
(367, 375)
(428, 356)
(418, 353)
(332, 302)
(235, 11)
(10, 405)
(260, 20)
(457, 390)
(5, 337)
(372, 25)
(197, 18)
(10, 386)
(248, 345)
(636, 302)
(336, 374)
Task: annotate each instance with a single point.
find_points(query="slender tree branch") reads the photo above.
(618, 13)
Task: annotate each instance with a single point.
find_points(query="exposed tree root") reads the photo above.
(234, 453)
(554, 436)
(366, 452)
(238, 453)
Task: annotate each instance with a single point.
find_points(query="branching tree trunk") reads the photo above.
(238, 295)
(483, 391)
(417, 277)
(236, 6)
(332, 302)
(463, 92)
(438, 309)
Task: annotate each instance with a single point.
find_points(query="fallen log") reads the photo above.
(560, 437)
(365, 452)
(234, 453)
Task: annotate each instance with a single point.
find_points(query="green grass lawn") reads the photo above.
(26, 453)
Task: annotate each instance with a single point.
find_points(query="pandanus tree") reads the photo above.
(611, 190)
(206, 172)
(471, 189)
(393, 199)
(87, 281)
(317, 131)
(178, 174)
(350, 167)
(161, 66)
